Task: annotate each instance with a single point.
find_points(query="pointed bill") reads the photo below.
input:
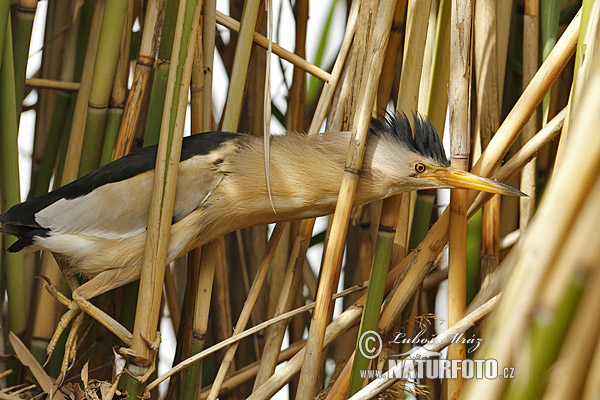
(455, 178)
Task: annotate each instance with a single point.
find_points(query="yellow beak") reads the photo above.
(455, 178)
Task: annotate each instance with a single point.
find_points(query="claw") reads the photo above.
(130, 353)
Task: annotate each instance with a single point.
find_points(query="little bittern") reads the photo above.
(97, 224)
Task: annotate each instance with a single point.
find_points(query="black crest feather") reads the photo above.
(425, 141)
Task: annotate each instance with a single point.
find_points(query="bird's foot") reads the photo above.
(76, 306)
(130, 353)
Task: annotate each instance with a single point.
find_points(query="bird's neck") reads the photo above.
(305, 177)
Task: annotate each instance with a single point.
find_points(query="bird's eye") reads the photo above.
(419, 167)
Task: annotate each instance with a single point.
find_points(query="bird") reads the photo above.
(96, 225)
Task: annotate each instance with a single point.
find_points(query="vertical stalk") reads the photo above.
(163, 194)
(23, 20)
(530, 63)
(159, 84)
(141, 75)
(334, 250)
(233, 104)
(460, 95)
(11, 193)
(102, 82)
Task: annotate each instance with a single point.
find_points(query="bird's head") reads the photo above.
(419, 161)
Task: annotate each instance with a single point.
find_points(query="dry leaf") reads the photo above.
(28, 360)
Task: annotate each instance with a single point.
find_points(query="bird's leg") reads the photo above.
(109, 322)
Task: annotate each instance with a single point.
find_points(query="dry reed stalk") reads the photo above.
(334, 251)
(460, 130)
(291, 284)
(282, 294)
(426, 73)
(590, 391)
(531, 97)
(197, 86)
(44, 83)
(437, 103)
(248, 306)
(141, 75)
(408, 101)
(530, 63)
(339, 389)
(163, 193)
(79, 116)
(294, 58)
(487, 120)
(233, 104)
(208, 46)
(392, 62)
(202, 301)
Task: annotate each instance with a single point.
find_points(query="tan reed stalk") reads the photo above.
(43, 83)
(391, 62)
(335, 245)
(141, 76)
(408, 101)
(572, 368)
(197, 86)
(530, 63)
(487, 120)
(460, 130)
(283, 294)
(440, 69)
(73, 156)
(208, 261)
(291, 284)
(163, 196)
(208, 50)
(171, 299)
(233, 104)
(248, 306)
